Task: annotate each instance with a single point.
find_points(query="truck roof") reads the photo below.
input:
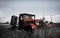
(27, 14)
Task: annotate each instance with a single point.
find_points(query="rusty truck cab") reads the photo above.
(27, 21)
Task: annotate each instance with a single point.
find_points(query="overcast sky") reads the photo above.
(38, 7)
